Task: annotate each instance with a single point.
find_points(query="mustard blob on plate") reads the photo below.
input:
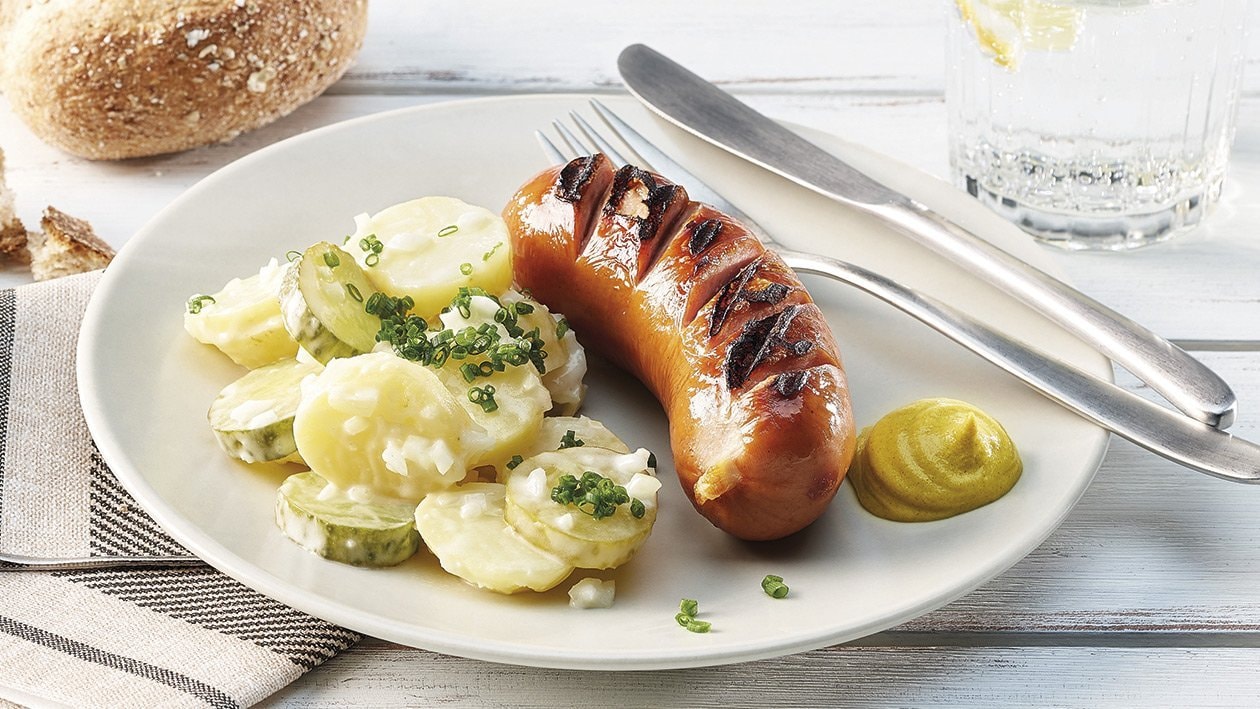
(933, 459)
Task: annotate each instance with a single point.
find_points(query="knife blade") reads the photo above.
(704, 110)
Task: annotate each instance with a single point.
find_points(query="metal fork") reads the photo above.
(1160, 430)
(13, 562)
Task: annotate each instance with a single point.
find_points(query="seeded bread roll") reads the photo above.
(110, 79)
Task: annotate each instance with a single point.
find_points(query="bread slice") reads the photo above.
(12, 233)
(66, 247)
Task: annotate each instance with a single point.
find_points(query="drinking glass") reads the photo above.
(1094, 124)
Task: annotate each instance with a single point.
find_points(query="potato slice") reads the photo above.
(554, 434)
(243, 319)
(432, 246)
(465, 530)
(520, 400)
(555, 429)
(386, 425)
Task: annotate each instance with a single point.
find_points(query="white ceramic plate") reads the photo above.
(146, 386)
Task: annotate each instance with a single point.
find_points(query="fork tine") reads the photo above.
(627, 135)
(604, 146)
(549, 148)
(650, 156)
(575, 144)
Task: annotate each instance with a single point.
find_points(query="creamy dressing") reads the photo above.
(255, 413)
(358, 423)
(480, 310)
(353, 399)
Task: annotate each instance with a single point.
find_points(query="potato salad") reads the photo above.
(429, 402)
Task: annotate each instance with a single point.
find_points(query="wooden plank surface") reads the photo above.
(799, 47)
(382, 675)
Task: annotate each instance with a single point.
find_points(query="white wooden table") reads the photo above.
(1148, 595)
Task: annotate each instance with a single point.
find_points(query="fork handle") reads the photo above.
(1162, 431)
(30, 563)
(1185, 382)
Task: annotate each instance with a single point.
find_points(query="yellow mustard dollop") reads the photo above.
(933, 459)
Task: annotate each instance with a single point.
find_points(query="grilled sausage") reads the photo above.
(714, 324)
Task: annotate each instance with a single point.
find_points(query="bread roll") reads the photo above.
(110, 79)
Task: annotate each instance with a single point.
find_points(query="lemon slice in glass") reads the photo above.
(1006, 29)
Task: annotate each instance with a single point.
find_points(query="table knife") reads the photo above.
(706, 111)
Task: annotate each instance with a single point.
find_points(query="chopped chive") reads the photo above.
(448, 230)
(514, 461)
(637, 510)
(333, 260)
(698, 626)
(293, 255)
(354, 292)
(652, 460)
(197, 302)
(570, 440)
(600, 493)
(486, 256)
(373, 247)
(466, 269)
(774, 586)
(562, 327)
(484, 397)
(686, 617)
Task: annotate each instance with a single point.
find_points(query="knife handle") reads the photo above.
(1184, 381)
(1162, 431)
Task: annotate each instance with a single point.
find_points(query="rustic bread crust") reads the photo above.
(12, 233)
(13, 241)
(66, 246)
(110, 79)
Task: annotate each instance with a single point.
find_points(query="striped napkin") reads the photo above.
(136, 625)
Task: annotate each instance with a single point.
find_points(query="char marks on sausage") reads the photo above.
(703, 234)
(575, 176)
(789, 384)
